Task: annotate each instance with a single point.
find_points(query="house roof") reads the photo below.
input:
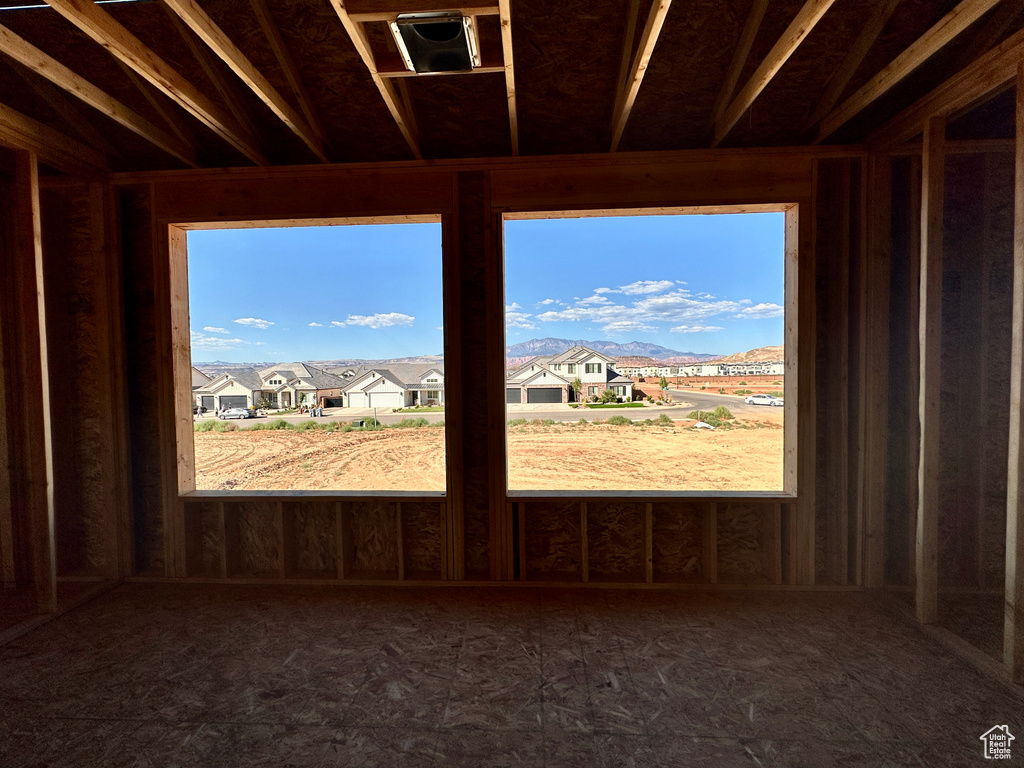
(579, 353)
(559, 380)
(406, 375)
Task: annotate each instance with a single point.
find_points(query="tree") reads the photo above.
(577, 387)
(663, 383)
(609, 396)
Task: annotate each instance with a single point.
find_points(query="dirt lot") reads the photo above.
(562, 456)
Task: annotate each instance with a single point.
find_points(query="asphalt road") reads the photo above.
(708, 401)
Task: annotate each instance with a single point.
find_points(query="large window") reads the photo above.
(317, 358)
(646, 353)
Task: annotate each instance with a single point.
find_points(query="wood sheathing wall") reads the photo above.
(977, 283)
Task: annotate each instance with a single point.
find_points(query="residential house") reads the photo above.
(241, 388)
(394, 385)
(549, 378)
(296, 384)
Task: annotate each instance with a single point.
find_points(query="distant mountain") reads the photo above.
(218, 367)
(761, 354)
(534, 347)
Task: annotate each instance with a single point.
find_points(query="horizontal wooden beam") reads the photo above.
(101, 27)
(795, 33)
(926, 46)
(648, 41)
(388, 10)
(28, 55)
(993, 72)
(961, 147)
(391, 74)
(199, 22)
(18, 131)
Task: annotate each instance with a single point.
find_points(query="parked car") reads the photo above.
(238, 413)
(763, 399)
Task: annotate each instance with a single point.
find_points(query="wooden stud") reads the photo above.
(913, 443)
(1013, 618)
(181, 361)
(387, 91)
(632, 12)
(285, 543)
(803, 439)
(584, 544)
(288, 67)
(8, 572)
(505, 12)
(989, 74)
(341, 540)
(709, 540)
(739, 58)
(648, 41)
(806, 19)
(221, 523)
(793, 410)
(931, 370)
(522, 540)
(199, 22)
(101, 27)
(399, 536)
(869, 33)
(922, 49)
(648, 542)
(28, 55)
(34, 367)
(20, 132)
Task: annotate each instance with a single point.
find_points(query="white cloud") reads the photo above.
(761, 311)
(213, 343)
(602, 290)
(213, 329)
(316, 325)
(646, 286)
(695, 328)
(627, 326)
(595, 299)
(545, 302)
(379, 320)
(516, 319)
(254, 322)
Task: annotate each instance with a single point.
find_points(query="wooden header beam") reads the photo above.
(27, 54)
(101, 27)
(19, 131)
(795, 34)
(926, 46)
(991, 73)
(648, 40)
(362, 11)
(199, 22)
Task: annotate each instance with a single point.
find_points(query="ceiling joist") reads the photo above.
(798, 30)
(739, 58)
(926, 46)
(31, 57)
(505, 13)
(392, 99)
(18, 131)
(648, 41)
(991, 73)
(102, 28)
(287, 64)
(199, 22)
(870, 32)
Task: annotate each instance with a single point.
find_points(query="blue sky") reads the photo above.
(692, 283)
(711, 284)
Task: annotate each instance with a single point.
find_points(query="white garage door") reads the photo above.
(385, 400)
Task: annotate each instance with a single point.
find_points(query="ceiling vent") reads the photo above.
(442, 41)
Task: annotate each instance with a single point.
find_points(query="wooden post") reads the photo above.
(35, 394)
(1013, 629)
(914, 362)
(926, 560)
(800, 260)
(875, 366)
(8, 573)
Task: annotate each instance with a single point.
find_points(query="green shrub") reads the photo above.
(650, 399)
(226, 426)
(620, 421)
(548, 422)
(204, 426)
(664, 421)
(582, 421)
(306, 426)
(345, 428)
(410, 423)
(743, 383)
(708, 417)
(777, 394)
(703, 386)
(574, 405)
(649, 422)
(777, 383)
(516, 422)
(742, 392)
(609, 396)
(721, 390)
(723, 413)
(438, 424)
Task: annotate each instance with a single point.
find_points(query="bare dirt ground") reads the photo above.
(558, 457)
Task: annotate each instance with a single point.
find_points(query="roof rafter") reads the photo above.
(932, 41)
(287, 64)
(648, 41)
(798, 30)
(401, 115)
(31, 57)
(872, 29)
(18, 131)
(199, 22)
(739, 58)
(102, 28)
(505, 12)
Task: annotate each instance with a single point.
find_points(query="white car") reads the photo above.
(763, 399)
(238, 413)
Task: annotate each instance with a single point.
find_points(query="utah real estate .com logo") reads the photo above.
(997, 742)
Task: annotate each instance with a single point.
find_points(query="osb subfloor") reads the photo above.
(176, 675)
(976, 618)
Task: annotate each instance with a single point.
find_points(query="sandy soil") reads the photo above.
(563, 456)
